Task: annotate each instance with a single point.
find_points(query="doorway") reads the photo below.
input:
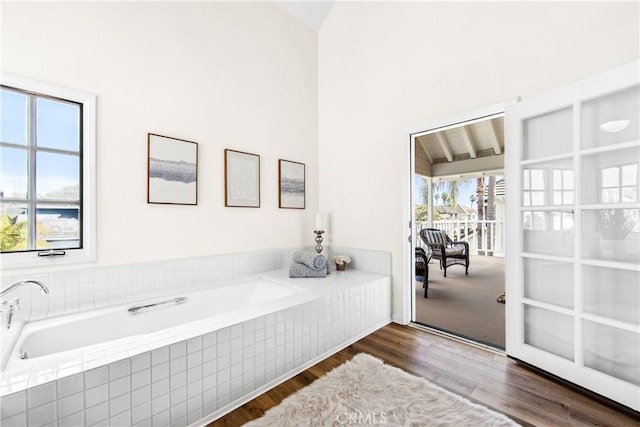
(459, 189)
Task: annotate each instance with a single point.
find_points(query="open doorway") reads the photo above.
(458, 204)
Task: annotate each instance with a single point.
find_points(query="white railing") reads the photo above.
(489, 234)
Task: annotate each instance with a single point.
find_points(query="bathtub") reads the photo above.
(105, 328)
(187, 363)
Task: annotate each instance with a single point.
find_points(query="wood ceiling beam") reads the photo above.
(494, 137)
(423, 144)
(445, 146)
(466, 136)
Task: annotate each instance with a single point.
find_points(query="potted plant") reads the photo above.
(614, 225)
(341, 261)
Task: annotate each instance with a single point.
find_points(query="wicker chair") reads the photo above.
(446, 250)
(422, 268)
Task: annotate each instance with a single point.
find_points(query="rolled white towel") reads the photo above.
(297, 270)
(311, 260)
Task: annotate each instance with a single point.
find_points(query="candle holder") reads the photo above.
(318, 240)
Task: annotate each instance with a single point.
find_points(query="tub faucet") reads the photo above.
(19, 283)
(11, 306)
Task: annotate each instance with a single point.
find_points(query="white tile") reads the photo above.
(162, 418)
(178, 412)
(194, 389)
(141, 395)
(178, 395)
(13, 404)
(45, 414)
(73, 420)
(159, 372)
(160, 355)
(160, 404)
(17, 420)
(178, 350)
(70, 405)
(178, 365)
(194, 416)
(159, 388)
(194, 344)
(119, 386)
(141, 379)
(178, 380)
(211, 353)
(96, 395)
(123, 419)
(194, 359)
(119, 404)
(141, 412)
(209, 340)
(209, 397)
(140, 362)
(224, 334)
(40, 395)
(194, 374)
(96, 377)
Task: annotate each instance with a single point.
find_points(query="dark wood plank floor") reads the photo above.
(482, 376)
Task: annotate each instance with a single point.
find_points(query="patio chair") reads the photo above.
(422, 268)
(446, 250)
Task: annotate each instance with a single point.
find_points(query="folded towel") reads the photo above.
(311, 260)
(297, 270)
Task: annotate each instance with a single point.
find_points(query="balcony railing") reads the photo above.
(485, 237)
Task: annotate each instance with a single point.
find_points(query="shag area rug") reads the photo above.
(365, 391)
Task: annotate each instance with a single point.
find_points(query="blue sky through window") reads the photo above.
(58, 127)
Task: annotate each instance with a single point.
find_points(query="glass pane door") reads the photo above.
(573, 277)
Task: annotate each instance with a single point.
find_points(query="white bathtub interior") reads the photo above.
(50, 336)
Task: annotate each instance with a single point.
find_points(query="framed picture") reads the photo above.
(241, 179)
(291, 185)
(172, 166)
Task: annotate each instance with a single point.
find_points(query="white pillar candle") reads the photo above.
(319, 222)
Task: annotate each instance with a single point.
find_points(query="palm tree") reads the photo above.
(472, 199)
(436, 197)
(452, 188)
(445, 199)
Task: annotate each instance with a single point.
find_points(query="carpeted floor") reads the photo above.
(465, 305)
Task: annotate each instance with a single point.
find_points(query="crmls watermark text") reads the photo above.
(361, 418)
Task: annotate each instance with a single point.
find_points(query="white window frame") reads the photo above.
(88, 251)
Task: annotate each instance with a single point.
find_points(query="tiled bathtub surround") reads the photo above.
(128, 385)
(199, 378)
(87, 289)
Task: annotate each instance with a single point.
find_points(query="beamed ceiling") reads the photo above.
(465, 149)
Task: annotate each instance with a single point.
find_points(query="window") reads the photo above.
(534, 187)
(618, 184)
(47, 179)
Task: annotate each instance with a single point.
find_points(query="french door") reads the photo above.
(573, 253)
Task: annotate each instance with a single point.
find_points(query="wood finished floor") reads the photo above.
(482, 376)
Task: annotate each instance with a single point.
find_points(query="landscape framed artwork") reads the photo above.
(241, 179)
(291, 184)
(172, 166)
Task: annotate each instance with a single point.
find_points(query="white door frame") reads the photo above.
(408, 306)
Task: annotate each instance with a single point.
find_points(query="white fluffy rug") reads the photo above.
(365, 391)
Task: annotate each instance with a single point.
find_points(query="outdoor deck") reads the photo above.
(465, 305)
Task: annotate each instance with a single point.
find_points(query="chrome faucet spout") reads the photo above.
(15, 285)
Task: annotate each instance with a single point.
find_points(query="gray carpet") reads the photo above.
(465, 305)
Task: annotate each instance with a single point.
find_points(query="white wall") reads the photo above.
(240, 76)
(387, 69)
